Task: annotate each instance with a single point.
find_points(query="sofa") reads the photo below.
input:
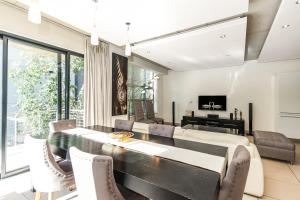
(275, 145)
(255, 180)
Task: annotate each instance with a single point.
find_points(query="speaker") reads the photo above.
(250, 118)
(193, 113)
(173, 113)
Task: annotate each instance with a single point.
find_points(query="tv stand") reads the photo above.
(239, 125)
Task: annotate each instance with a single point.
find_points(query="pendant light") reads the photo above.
(127, 45)
(34, 12)
(94, 35)
(94, 32)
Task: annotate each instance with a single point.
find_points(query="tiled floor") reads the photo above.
(282, 182)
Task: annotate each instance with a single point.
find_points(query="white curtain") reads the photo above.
(97, 84)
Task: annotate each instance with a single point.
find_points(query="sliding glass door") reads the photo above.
(32, 97)
(37, 86)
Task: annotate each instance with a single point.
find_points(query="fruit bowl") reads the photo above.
(122, 136)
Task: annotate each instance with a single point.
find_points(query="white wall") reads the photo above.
(251, 82)
(15, 21)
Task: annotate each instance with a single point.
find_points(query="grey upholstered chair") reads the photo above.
(57, 126)
(139, 112)
(95, 179)
(124, 125)
(161, 130)
(234, 182)
(47, 175)
(150, 112)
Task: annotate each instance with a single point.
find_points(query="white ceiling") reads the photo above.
(149, 18)
(283, 43)
(199, 49)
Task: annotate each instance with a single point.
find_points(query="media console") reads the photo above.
(239, 125)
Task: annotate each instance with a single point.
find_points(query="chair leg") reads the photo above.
(51, 196)
(37, 196)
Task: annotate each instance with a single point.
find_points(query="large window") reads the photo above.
(40, 84)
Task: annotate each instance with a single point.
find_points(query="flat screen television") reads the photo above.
(217, 102)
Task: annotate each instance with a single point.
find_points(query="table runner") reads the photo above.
(195, 158)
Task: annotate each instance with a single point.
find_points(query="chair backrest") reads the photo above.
(234, 183)
(138, 110)
(43, 168)
(161, 130)
(124, 125)
(94, 176)
(57, 126)
(150, 109)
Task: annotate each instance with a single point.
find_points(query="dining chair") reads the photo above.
(234, 183)
(47, 175)
(95, 179)
(161, 130)
(124, 125)
(139, 112)
(60, 125)
(150, 112)
(55, 127)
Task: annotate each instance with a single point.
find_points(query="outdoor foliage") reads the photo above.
(35, 78)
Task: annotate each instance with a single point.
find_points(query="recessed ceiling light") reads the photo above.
(286, 26)
(298, 2)
(223, 36)
(227, 55)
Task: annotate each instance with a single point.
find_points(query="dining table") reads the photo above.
(149, 174)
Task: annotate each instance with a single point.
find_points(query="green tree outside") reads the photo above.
(36, 84)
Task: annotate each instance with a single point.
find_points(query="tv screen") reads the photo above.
(212, 102)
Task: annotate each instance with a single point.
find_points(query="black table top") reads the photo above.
(154, 177)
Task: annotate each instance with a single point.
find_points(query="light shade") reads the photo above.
(94, 36)
(34, 12)
(127, 49)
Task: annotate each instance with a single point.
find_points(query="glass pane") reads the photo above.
(141, 85)
(76, 89)
(31, 97)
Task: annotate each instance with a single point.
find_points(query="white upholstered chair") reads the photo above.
(46, 175)
(94, 176)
